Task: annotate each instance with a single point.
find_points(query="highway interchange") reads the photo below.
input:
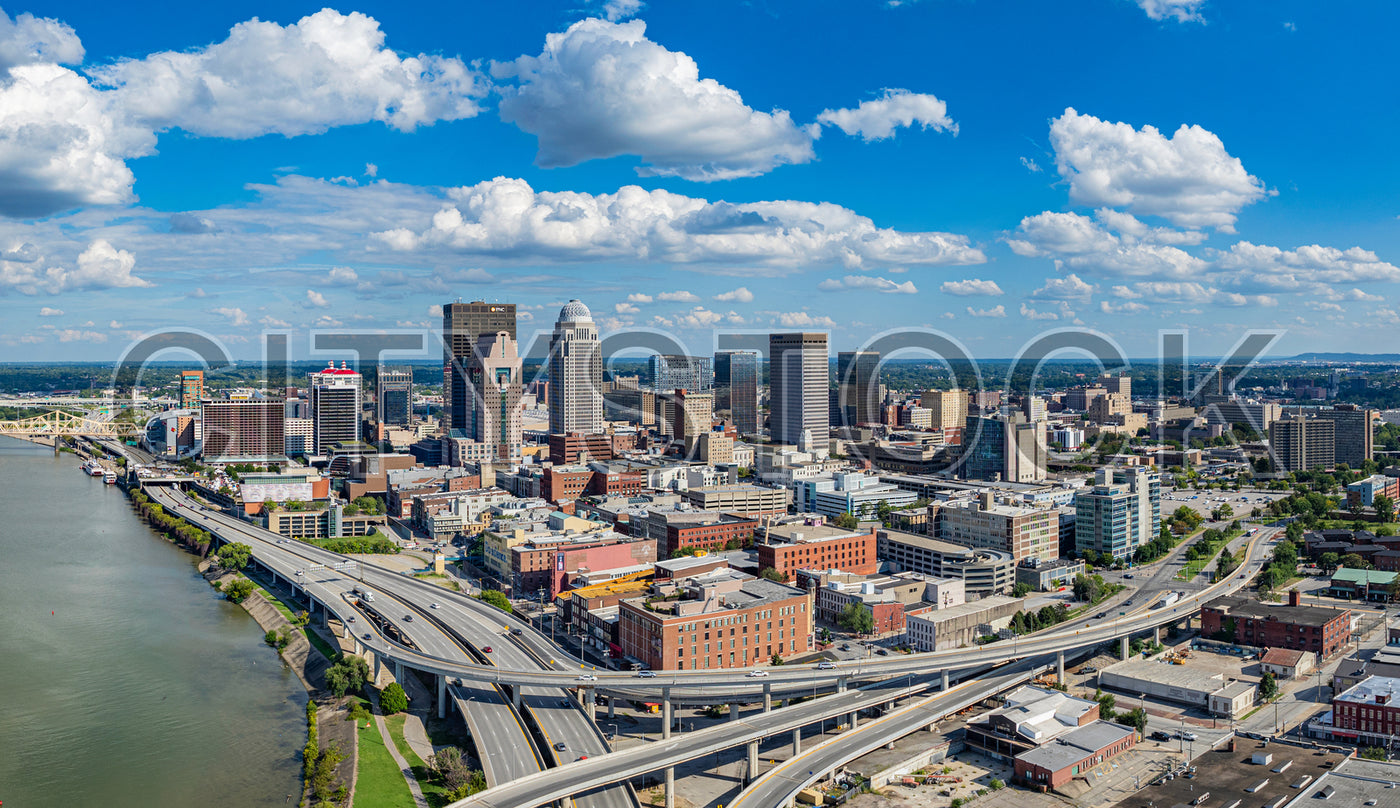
(447, 639)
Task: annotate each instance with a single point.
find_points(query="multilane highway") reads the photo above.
(446, 624)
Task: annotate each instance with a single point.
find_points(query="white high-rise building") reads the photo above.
(335, 406)
(495, 377)
(799, 376)
(575, 373)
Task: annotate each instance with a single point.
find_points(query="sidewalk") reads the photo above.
(394, 753)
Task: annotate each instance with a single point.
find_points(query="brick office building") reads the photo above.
(694, 530)
(550, 563)
(787, 548)
(1368, 712)
(1307, 628)
(725, 619)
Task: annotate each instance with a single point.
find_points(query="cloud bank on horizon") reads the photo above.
(651, 163)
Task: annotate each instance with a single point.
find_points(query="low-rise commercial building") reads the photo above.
(1287, 663)
(1310, 628)
(932, 629)
(1181, 684)
(983, 571)
(787, 548)
(320, 523)
(723, 619)
(1044, 576)
(753, 501)
(1367, 585)
(887, 597)
(1031, 716)
(1074, 754)
(676, 530)
(1368, 712)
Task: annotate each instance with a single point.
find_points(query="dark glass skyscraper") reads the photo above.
(393, 395)
(736, 388)
(462, 325)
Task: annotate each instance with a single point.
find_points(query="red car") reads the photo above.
(486, 650)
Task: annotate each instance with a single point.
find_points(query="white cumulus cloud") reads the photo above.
(507, 217)
(315, 299)
(49, 312)
(740, 295)
(327, 69)
(997, 311)
(1179, 10)
(970, 287)
(614, 10)
(1070, 287)
(602, 89)
(1188, 179)
(877, 118)
(235, 316)
(27, 39)
(884, 285)
(678, 297)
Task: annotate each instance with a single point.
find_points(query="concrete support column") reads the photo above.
(853, 719)
(611, 702)
(671, 787)
(797, 742)
(515, 696)
(753, 760)
(945, 679)
(378, 665)
(767, 697)
(442, 695)
(587, 694)
(398, 671)
(1157, 634)
(666, 724)
(841, 685)
(359, 649)
(1060, 667)
(734, 711)
(1123, 652)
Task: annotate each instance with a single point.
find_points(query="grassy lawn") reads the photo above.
(379, 783)
(1193, 568)
(1345, 524)
(433, 791)
(317, 641)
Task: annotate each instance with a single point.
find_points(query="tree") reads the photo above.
(1354, 562)
(776, 659)
(1385, 507)
(235, 556)
(1136, 718)
(1329, 562)
(1021, 589)
(1106, 704)
(451, 768)
(882, 510)
(847, 521)
(392, 699)
(857, 618)
(1373, 753)
(1268, 687)
(773, 575)
(496, 598)
(239, 590)
(825, 636)
(348, 675)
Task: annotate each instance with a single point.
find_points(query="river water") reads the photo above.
(125, 680)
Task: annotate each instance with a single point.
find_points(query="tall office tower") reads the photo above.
(1121, 384)
(1299, 443)
(496, 377)
(1122, 512)
(335, 406)
(858, 387)
(669, 372)
(736, 383)
(393, 395)
(1008, 448)
(1354, 432)
(947, 413)
(247, 431)
(693, 414)
(191, 388)
(575, 373)
(799, 375)
(1034, 408)
(462, 325)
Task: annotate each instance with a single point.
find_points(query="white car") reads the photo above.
(433, 606)
(587, 677)
(757, 674)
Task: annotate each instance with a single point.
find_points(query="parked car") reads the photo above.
(1161, 736)
(1185, 736)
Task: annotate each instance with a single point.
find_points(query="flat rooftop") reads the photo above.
(798, 534)
(1227, 774)
(1301, 615)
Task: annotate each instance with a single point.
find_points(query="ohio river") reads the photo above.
(124, 679)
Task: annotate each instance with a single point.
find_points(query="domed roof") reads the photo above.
(574, 311)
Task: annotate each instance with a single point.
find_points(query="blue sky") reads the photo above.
(987, 169)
